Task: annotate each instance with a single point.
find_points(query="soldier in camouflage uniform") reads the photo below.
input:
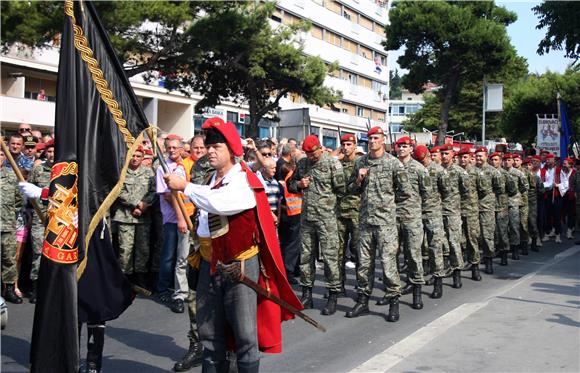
(432, 220)
(348, 208)
(488, 185)
(131, 213)
(40, 176)
(501, 209)
(535, 191)
(409, 217)
(470, 215)
(320, 179)
(517, 185)
(378, 177)
(524, 208)
(10, 204)
(456, 184)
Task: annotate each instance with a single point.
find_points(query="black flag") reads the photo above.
(98, 122)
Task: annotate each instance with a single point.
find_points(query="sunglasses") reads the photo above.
(24, 129)
(266, 154)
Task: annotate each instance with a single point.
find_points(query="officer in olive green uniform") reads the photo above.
(470, 215)
(10, 204)
(535, 191)
(321, 180)
(378, 177)
(502, 243)
(517, 185)
(348, 208)
(131, 213)
(524, 208)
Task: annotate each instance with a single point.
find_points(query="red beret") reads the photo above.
(536, 158)
(508, 156)
(463, 151)
(496, 154)
(310, 143)
(435, 149)
(40, 146)
(516, 155)
(550, 155)
(569, 160)
(446, 147)
(527, 160)
(544, 151)
(481, 149)
(173, 136)
(228, 131)
(375, 130)
(49, 143)
(404, 140)
(139, 149)
(348, 137)
(420, 152)
(148, 153)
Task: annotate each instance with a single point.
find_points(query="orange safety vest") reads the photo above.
(187, 164)
(293, 201)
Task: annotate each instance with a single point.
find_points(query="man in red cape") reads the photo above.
(236, 226)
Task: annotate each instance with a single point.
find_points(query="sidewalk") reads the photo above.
(529, 325)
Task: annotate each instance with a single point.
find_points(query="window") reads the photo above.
(401, 110)
(349, 14)
(379, 30)
(333, 6)
(360, 111)
(365, 22)
(290, 19)
(332, 38)
(352, 78)
(364, 82)
(378, 87)
(348, 108)
(277, 15)
(378, 116)
(365, 52)
(316, 32)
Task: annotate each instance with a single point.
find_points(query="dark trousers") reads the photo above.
(541, 222)
(289, 236)
(563, 213)
(550, 213)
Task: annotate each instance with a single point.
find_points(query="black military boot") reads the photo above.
(330, 307)
(534, 246)
(504, 259)
(437, 288)
(32, 297)
(417, 301)
(457, 279)
(192, 358)
(306, 298)
(516, 252)
(96, 341)
(475, 276)
(393, 315)
(524, 247)
(408, 289)
(488, 266)
(360, 308)
(10, 294)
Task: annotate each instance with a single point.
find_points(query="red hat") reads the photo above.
(173, 136)
(550, 155)
(544, 151)
(310, 143)
(375, 130)
(536, 158)
(496, 154)
(139, 149)
(569, 160)
(49, 143)
(148, 153)
(404, 140)
(463, 151)
(219, 132)
(435, 149)
(516, 155)
(446, 147)
(508, 156)
(348, 137)
(527, 160)
(420, 152)
(40, 146)
(481, 149)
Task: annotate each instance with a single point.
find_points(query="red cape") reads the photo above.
(270, 315)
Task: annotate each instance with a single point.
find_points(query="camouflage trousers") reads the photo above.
(37, 234)
(323, 232)
(381, 239)
(348, 236)
(514, 225)
(524, 232)
(433, 241)
(487, 232)
(133, 247)
(501, 238)
(452, 224)
(410, 238)
(533, 219)
(471, 233)
(9, 270)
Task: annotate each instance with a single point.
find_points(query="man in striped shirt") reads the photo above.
(271, 186)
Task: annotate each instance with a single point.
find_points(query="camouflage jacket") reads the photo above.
(470, 200)
(420, 188)
(517, 185)
(432, 206)
(501, 196)
(386, 178)
(526, 182)
(139, 186)
(10, 200)
(200, 170)
(319, 200)
(489, 185)
(349, 203)
(456, 184)
(40, 176)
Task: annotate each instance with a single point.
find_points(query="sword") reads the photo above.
(234, 272)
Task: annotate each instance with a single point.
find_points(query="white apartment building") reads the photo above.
(349, 32)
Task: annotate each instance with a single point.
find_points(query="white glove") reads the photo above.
(31, 191)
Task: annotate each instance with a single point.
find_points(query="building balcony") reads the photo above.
(357, 94)
(23, 110)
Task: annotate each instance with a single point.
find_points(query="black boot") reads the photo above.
(475, 276)
(32, 297)
(211, 366)
(504, 259)
(488, 266)
(393, 315)
(457, 279)
(360, 308)
(306, 298)
(524, 247)
(249, 367)
(330, 307)
(10, 294)
(535, 244)
(516, 252)
(408, 289)
(417, 301)
(95, 344)
(437, 288)
(192, 358)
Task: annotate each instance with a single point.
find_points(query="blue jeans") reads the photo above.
(175, 248)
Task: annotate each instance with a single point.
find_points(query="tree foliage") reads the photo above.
(561, 19)
(395, 91)
(449, 43)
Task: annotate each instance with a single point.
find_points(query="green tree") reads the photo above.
(449, 43)
(561, 18)
(395, 92)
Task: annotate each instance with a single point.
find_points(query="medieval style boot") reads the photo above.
(360, 308)
(488, 266)
(306, 298)
(393, 315)
(516, 252)
(417, 301)
(95, 344)
(192, 358)
(437, 288)
(475, 276)
(330, 307)
(32, 297)
(457, 279)
(11, 296)
(504, 259)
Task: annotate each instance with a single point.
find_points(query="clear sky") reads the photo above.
(525, 37)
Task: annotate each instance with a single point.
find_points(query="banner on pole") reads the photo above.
(549, 133)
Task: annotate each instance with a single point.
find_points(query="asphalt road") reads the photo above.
(455, 333)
